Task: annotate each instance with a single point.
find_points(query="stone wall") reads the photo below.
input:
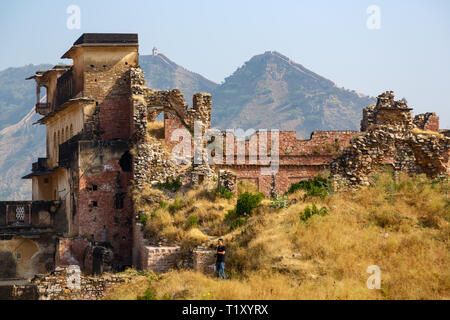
(204, 260)
(392, 134)
(159, 259)
(60, 286)
(427, 121)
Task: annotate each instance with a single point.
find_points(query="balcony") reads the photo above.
(64, 87)
(27, 218)
(43, 108)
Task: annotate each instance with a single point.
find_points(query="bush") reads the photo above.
(237, 223)
(176, 205)
(308, 212)
(143, 219)
(247, 202)
(192, 221)
(280, 202)
(172, 185)
(148, 295)
(224, 193)
(317, 187)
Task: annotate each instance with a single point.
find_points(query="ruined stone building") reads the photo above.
(103, 141)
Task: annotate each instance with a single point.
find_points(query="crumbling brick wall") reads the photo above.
(152, 160)
(159, 259)
(204, 260)
(393, 133)
(427, 121)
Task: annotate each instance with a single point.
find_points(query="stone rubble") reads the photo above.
(391, 133)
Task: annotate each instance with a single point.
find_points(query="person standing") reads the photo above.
(220, 262)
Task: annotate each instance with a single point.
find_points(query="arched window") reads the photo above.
(71, 130)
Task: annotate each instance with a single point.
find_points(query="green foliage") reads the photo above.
(233, 220)
(236, 223)
(280, 202)
(171, 184)
(224, 193)
(317, 187)
(247, 202)
(148, 295)
(176, 205)
(308, 212)
(163, 204)
(191, 222)
(143, 218)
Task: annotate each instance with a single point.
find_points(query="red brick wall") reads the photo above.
(171, 123)
(115, 119)
(110, 88)
(432, 124)
(118, 222)
(299, 159)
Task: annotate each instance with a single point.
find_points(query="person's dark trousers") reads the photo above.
(220, 270)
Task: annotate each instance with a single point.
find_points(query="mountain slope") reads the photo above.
(271, 91)
(163, 74)
(17, 95)
(20, 145)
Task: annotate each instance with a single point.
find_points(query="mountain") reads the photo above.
(20, 145)
(17, 95)
(163, 74)
(21, 142)
(269, 91)
(272, 91)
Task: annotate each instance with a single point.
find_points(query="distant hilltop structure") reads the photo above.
(155, 51)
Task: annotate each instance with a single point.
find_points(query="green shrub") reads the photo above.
(233, 220)
(143, 219)
(247, 202)
(308, 212)
(236, 223)
(163, 204)
(280, 202)
(176, 205)
(191, 222)
(317, 187)
(224, 193)
(172, 185)
(148, 295)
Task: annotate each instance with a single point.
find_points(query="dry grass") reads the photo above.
(402, 226)
(190, 217)
(156, 129)
(427, 132)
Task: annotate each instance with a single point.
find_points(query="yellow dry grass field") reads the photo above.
(399, 224)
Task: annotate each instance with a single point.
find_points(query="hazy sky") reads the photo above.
(409, 54)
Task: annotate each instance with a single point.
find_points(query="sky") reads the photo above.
(404, 45)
